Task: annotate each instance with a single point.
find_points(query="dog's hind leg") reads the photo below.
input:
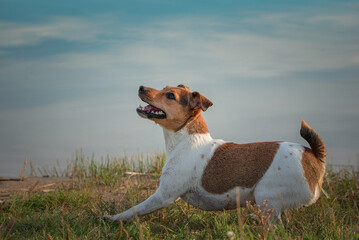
(268, 200)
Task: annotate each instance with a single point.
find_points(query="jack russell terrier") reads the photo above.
(207, 172)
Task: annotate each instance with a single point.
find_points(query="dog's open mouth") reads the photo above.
(150, 111)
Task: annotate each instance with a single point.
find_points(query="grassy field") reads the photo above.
(110, 187)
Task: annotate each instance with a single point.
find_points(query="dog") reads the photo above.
(211, 173)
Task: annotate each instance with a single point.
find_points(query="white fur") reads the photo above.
(283, 185)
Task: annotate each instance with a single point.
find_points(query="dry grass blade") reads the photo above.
(123, 230)
(13, 221)
(23, 170)
(136, 174)
(239, 214)
(263, 216)
(49, 236)
(33, 187)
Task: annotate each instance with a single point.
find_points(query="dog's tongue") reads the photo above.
(151, 108)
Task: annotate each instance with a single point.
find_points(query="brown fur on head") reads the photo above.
(172, 107)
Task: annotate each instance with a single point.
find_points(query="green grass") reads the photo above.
(103, 188)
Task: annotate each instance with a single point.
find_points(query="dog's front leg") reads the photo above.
(160, 199)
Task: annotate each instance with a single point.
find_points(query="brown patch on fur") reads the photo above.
(184, 100)
(313, 169)
(235, 165)
(197, 125)
(202, 156)
(279, 168)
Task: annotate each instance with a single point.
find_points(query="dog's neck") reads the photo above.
(193, 134)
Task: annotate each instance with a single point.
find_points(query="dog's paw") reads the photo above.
(117, 217)
(109, 218)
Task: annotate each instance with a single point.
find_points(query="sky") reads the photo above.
(70, 72)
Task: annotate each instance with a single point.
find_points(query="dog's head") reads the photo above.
(171, 107)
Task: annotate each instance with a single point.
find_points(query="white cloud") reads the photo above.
(337, 20)
(179, 47)
(197, 44)
(179, 50)
(67, 28)
(356, 59)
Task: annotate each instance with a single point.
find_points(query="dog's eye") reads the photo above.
(171, 96)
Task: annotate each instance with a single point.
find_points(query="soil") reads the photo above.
(11, 187)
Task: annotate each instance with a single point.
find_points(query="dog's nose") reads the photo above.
(142, 89)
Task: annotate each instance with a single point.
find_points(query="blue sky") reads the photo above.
(70, 70)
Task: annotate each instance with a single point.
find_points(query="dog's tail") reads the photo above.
(315, 141)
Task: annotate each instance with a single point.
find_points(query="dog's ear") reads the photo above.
(199, 102)
(183, 86)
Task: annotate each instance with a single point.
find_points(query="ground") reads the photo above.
(69, 208)
(10, 187)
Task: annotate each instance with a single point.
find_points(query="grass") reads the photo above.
(107, 188)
